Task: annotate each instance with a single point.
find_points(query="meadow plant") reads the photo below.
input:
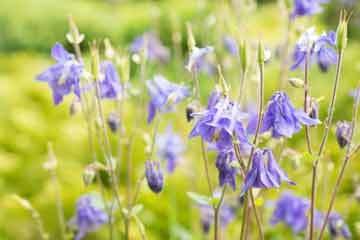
(248, 143)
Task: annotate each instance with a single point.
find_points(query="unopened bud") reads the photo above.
(154, 176)
(296, 82)
(343, 132)
(191, 40)
(243, 56)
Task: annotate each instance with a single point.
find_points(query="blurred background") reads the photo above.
(28, 118)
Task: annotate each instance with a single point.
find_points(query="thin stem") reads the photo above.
(242, 86)
(206, 165)
(306, 100)
(59, 205)
(244, 219)
(217, 210)
(343, 167)
(323, 142)
(284, 53)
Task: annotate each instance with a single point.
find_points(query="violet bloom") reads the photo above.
(154, 176)
(64, 76)
(197, 58)
(90, 215)
(264, 172)
(281, 118)
(220, 122)
(291, 210)
(170, 146)
(307, 7)
(319, 48)
(226, 216)
(110, 84)
(227, 172)
(230, 45)
(155, 50)
(343, 132)
(338, 227)
(164, 94)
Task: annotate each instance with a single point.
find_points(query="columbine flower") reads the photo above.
(197, 58)
(338, 227)
(219, 122)
(291, 210)
(89, 216)
(230, 45)
(170, 146)
(343, 131)
(227, 172)
(307, 7)
(320, 48)
(282, 118)
(207, 216)
(264, 172)
(155, 50)
(154, 176)
(64, 76)
(164, 95)
(110, 84)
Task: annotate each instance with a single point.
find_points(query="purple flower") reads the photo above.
(291, 210)
(110, 84)
(89, 216)
(337, 226)
(282, 118)
(227, 172)
(164, 95)
(343, 132)
(170, 146)
(264, 172)
(155, 50)
(64, 76)
(226, 215)
(197, 58)
(154, 176)
(307, 7)
(220, 122)
(230, 45)
(319, 48)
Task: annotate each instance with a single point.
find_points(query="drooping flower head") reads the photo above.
(64, 76)
(281, 118)
(264, 172)
(227, 172)
(220, 122)
(291, 210)
(226, 215)
(307, 7)
(164, 94)
(155, 50)
(90, 215)
(338, 227)
(170, 146)
(230, 45)
(110, 83)
(343, 132)
(154, 176)
(318, 48)
(197, 58)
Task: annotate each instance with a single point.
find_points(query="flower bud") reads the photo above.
(314, 109)
(113, 122)
(343, 132)
(243, 56)
(191, 40)
(154, 176)
(296, 82)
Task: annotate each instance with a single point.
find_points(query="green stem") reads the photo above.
(217, 210)
(306, 100)
(323, 142)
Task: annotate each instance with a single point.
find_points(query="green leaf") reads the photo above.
(201, 199)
